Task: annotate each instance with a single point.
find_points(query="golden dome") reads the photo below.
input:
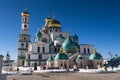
(54, 23)
(48, 19)
(25, 13)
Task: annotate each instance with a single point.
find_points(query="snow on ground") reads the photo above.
(28, 70)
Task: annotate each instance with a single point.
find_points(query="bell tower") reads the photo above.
(24, 38)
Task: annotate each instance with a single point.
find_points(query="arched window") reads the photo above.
(88, 50)
(43, 49)
(26, 45)
(38, 50)
(61, 65)
(25, 26)
(25, 19)
(22, 44)
(84, 50)
(65, 65)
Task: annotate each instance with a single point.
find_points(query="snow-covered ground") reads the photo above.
(28, 70)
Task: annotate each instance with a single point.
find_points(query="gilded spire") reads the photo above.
(54, 15)
(95, 51)
(61, 50)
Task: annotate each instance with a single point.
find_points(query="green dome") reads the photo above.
(69, 46)
(8, 55)
(75, 37)
(39, 34)
(59, 37)
(79, 57)
(50, 58)
(61, 56)
(51, 43)
(95, 56)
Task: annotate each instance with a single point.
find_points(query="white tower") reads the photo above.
(24, 38)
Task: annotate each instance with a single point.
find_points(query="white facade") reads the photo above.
(48, 41)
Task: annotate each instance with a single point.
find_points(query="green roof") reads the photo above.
(51, 43)
(8, 55)
(59, 37)
(75, 37)
(79, 57)
(61, 56)
(95, 56)
(50, 58)
(39, 34)
(69, 46)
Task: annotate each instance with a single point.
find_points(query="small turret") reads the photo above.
(7, 56)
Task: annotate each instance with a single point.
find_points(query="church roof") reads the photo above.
(54, 23)
(95, 56)
(8, 55)
(51, 43)
(75, 37)
(38, 34)
(59, 37)
(50, 58)
(61, 56)
(79, 58)
(69, 46)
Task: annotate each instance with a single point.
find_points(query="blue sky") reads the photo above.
(96, 22)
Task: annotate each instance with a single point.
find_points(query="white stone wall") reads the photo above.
(53, 35)
(58, 42)
(34, 46)
(34, 56)
(86, 47)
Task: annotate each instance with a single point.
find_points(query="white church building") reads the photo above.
(48, 42)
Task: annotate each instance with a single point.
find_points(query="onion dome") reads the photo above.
(69, 46)
(50, 59)
(59, 38)
(38, 34)
(51, 43)
(95, 56)
(48, 19)
(54, 23)
(75, 37)
(25, 13)
(61, 56)
(79, 58)
(8, 55)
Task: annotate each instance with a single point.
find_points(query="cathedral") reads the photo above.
(53, 47)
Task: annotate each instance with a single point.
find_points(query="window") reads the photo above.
(28, 56)
(38, 50)
(22, 44)
(43, 49)
(26, 45)
(25, 26)
(25, 19)
(84, 50)
(61, 65)
(88, 50)
(55, 50)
